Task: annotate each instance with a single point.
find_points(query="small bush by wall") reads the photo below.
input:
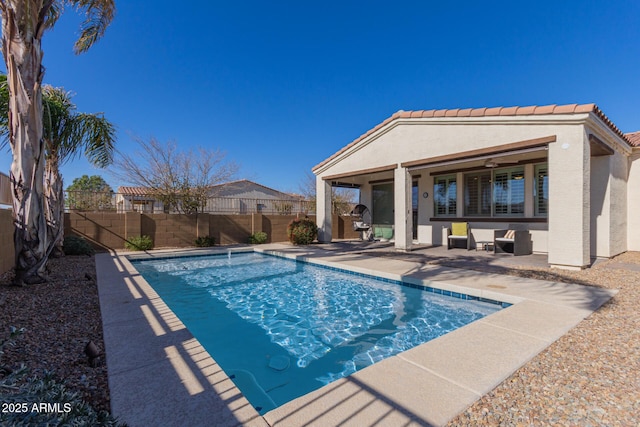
(258, 238)
(205, 241)
(139, 243)
(302, 231)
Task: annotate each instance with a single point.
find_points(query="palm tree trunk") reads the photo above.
(54, 202)
(21, 35)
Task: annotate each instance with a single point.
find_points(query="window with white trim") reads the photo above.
(541, 190)
(445, 195)
(477, 194)
(508, 192)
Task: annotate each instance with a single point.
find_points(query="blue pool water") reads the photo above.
(281, 328)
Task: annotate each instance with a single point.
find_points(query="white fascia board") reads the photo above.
(607, 135)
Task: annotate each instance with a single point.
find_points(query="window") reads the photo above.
(508, 192)
(477, 194)
(383, 203)
(541, 190)
(444, 196)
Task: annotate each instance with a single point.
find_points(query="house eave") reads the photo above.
(388, 125)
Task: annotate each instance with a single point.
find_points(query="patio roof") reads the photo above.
(632, 139)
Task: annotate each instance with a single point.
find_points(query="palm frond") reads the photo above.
(52, 14)
(69, 134)
(4, 111)
(99, 14)
(98, 135)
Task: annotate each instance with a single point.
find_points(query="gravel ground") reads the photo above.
(590, 377)
(59, 318)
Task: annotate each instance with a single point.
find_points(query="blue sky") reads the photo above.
(281, 85)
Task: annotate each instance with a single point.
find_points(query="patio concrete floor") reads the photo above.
(160, 374)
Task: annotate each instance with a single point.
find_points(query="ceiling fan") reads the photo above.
(493, 162)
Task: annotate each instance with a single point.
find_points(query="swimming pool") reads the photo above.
(281, 328)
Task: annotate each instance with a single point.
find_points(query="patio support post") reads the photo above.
(569, 202)
(403, 216)
(323, 210)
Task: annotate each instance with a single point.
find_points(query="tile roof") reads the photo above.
(633, 138)
(489, 112)
(134, 191)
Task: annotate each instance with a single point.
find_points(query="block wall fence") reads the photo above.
(7, 253)
(110, 230)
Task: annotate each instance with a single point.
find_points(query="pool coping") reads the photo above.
(149, 351)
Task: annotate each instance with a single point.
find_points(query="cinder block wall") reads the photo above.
(109, 230)
(105, 230)
(7, 252)
(342, 228)
(230, 229)
(170, 230)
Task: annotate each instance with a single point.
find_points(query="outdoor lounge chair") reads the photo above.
(516, 242)
(459, 234)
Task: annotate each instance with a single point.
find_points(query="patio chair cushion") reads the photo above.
(459, 229)
(387, 233)
(452, 237)
(510, 234)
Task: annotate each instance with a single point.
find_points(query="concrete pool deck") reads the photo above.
(159, 373)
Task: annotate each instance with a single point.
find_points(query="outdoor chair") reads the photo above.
(516, 242)
(459, 235)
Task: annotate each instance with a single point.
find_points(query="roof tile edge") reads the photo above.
(488, 112)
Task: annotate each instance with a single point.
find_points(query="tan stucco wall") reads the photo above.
(633, 203)
(425, 138)
(618, 204)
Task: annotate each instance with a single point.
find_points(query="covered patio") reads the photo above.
(559, 172)
(478, 260)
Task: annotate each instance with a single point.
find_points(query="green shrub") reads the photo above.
(139, 243)
(74, 245)
(302, 231)
(205, 241)
(258, 238)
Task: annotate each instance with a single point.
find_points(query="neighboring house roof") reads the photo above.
(487, 112)
(133, 191)
(633, 138)
(247, 189)
(240, 188)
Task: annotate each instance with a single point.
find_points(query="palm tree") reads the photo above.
(66, 133)
(23, 25)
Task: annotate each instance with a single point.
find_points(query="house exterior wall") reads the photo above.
(633, 202)
(416, 139)
(618, 205)
(599, 202)
(587, 195)
(425, 138)
(569, 199)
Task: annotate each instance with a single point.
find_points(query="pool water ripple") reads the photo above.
(329, 322)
